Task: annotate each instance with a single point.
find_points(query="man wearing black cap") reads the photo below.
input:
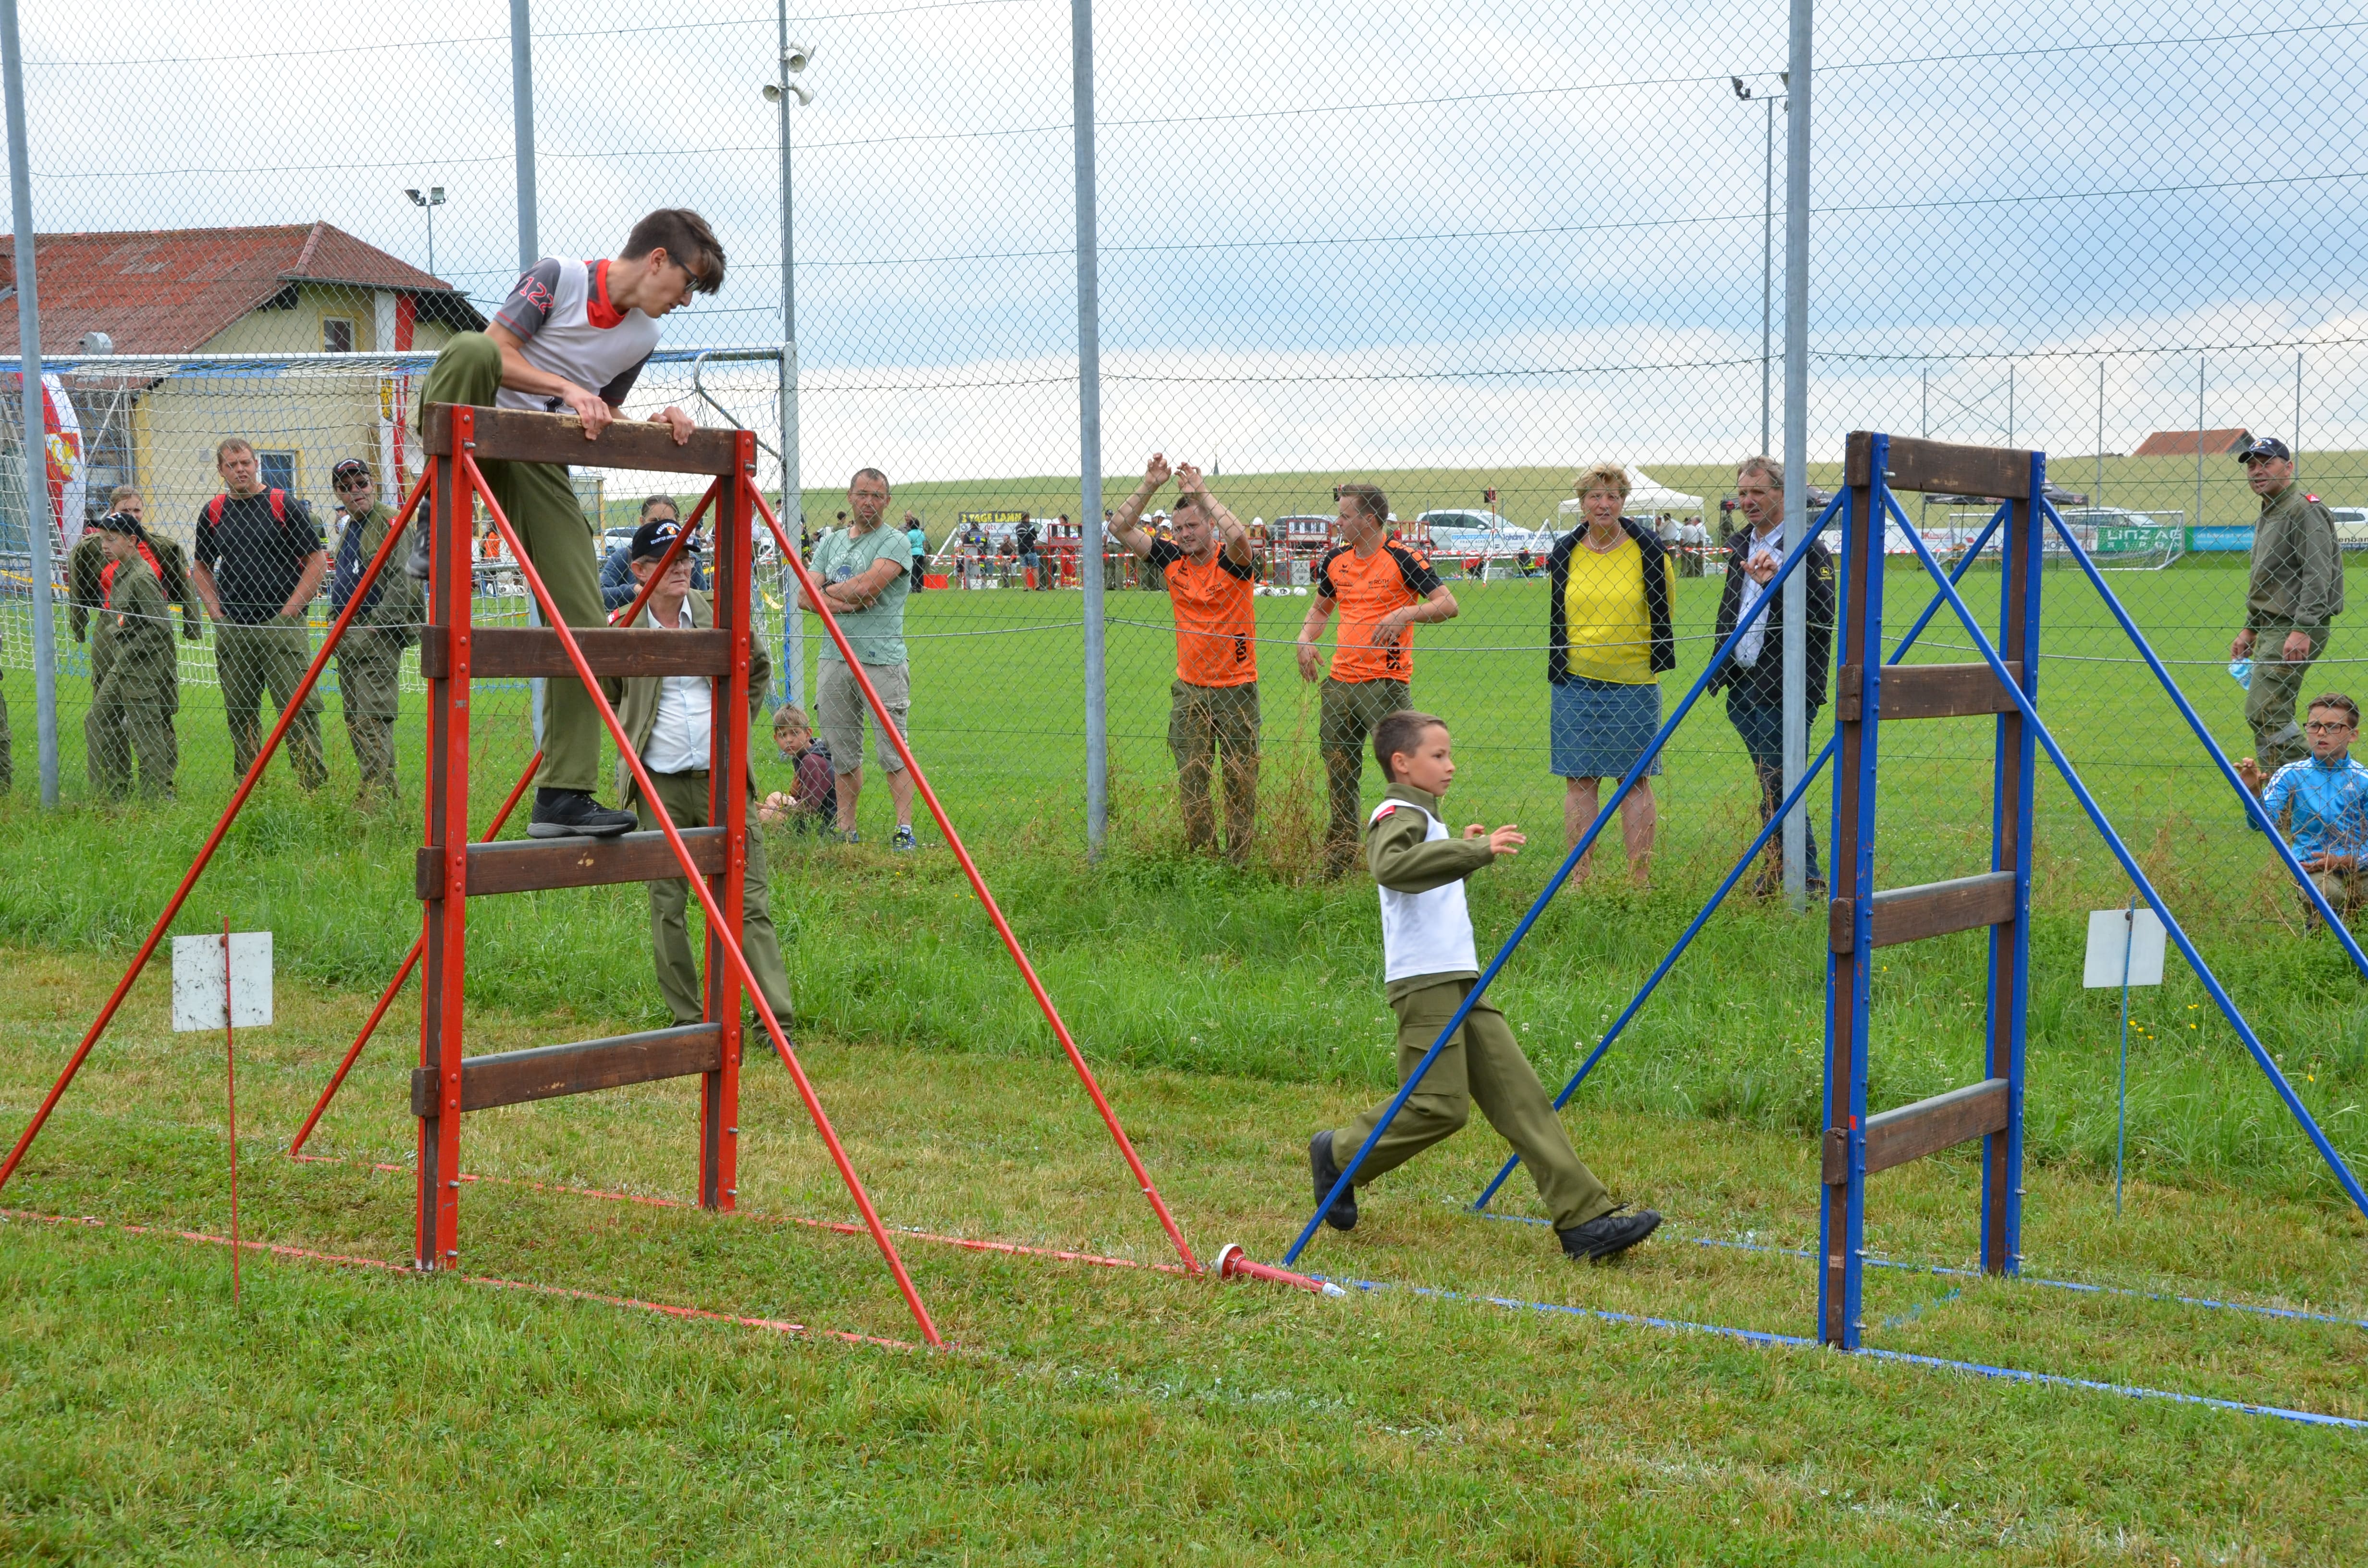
(669, 720)
(2294, 595)
(132, 707)
(370, 656)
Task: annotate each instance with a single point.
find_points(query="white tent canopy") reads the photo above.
(1645, 495)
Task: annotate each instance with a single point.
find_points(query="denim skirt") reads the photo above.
(1598, 728)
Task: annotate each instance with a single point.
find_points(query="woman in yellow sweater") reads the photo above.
(1607, 639)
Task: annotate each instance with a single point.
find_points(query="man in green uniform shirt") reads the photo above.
(370, 656)
(259, 562)
(2294, 594)
(669, 719)
(131, 706)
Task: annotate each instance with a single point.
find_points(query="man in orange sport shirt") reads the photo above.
(1213, 706)
(1382, 589)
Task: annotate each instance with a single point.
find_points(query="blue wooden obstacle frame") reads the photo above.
(1877, 465)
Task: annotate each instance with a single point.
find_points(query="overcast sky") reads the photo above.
(1332, 236)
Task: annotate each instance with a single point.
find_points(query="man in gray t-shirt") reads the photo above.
(863, 572)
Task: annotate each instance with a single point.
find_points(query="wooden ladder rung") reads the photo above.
(1912, 1132)
(1929, 909)
(1940, 466)
(525, 653)
(546, 1071)
(529, 865)
(1926, 691)
(516, 435)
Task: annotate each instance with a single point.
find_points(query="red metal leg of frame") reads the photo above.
(410, 963)
(978, 885)
(213, 840)
(726, 936)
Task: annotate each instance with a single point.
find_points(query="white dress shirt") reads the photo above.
(681, 741)
(1747, 651)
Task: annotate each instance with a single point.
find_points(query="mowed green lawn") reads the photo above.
(348, 1412)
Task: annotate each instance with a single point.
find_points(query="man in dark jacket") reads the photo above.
(1754, 677)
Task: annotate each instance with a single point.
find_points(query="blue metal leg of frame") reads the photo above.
(1768, 830)
(2228, 1009)
(2253, 813)
(1553, 884)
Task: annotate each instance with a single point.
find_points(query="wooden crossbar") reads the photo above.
(524, 653)
(512, 435)
(1926, 691)
(1912, 1132)
(1928, 909)
(1917, 464)
(546, 1071)
(529, 865)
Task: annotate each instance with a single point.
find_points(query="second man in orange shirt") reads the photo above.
(1383, 590)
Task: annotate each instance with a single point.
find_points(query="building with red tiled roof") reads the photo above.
(229, 290)
(2185, 443)
(299, 289)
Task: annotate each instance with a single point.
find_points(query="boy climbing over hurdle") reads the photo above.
(1430, 966)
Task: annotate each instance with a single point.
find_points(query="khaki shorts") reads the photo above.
(842, 711)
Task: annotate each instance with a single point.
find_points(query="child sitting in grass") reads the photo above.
(1429, 967)
(2325, 798)
(811, 802)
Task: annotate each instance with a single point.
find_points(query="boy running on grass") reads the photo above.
(1430, 966)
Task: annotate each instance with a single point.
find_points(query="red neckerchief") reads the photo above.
(107, 575)
(597, 308)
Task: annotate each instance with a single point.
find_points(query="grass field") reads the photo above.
(1235, 1010)
(350, 1413)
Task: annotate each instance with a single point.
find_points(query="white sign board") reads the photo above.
(198, 976)
(2116, 934)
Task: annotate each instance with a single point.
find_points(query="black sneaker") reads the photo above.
(574, 813)
(1341, 1216)
(1608, 1235)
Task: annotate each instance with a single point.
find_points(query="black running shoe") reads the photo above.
(1608, 1235)
(574, 813)
(1341, 1216)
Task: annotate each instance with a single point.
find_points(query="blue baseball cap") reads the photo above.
(2264, 447)
(655, 538)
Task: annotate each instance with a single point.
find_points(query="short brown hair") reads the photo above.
(687, 238)
(1604, 476)
(2337, 700)
(1400, 733)
(1374, 504)
(869, 473)
(122, 493)
(1190, 498)
(650, 501)
(789, 716)
(229, 444)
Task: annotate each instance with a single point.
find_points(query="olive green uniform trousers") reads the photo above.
(1483, 1066)
(369, 665)
(540, 502)
(2274, 691)
(252, 660)
(1205, 722)
(685, 797)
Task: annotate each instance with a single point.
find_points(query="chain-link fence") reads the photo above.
(1461, 258)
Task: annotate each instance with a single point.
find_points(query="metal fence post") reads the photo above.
(1796, 445)
(793, 511)
(1090, 422)
(522, 128)
(34, 435)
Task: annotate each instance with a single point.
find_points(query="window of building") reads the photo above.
(277, 469)
(336, 335)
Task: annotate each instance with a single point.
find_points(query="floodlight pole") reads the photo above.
(794, 509)
(1090, 422)
(1796, 443)
(33, 439)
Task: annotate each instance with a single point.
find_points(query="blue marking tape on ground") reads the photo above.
(1763, 1337)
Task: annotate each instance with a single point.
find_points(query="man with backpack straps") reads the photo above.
(260, 559)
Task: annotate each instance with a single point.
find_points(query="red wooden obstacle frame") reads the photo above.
(447, 1083)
